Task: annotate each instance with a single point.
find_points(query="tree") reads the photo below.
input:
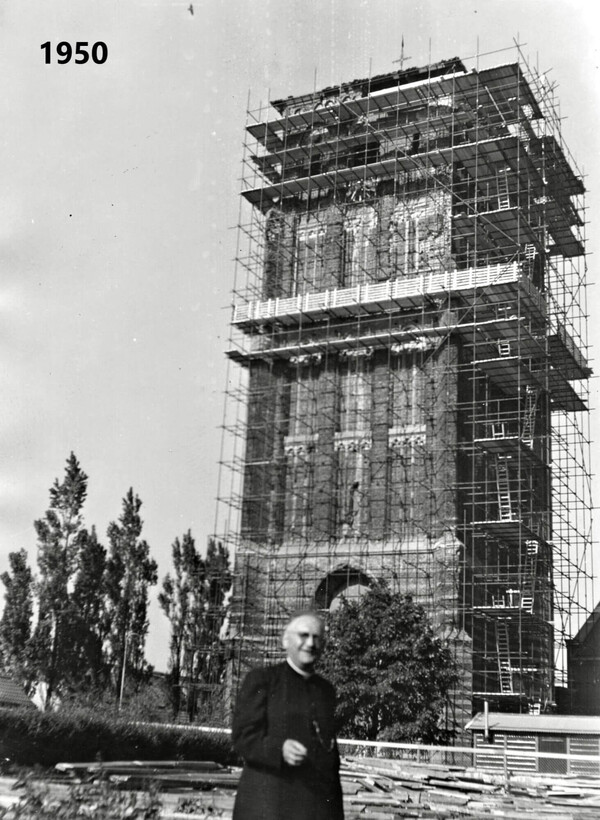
(60, 534)
(391, 673)
(194, 602)
(16, 622)
(176, 602)
(218, 584)
(88, 629)
(129, 574)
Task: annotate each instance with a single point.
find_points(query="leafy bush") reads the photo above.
(145, 702)
(29, 737)
(391, 672)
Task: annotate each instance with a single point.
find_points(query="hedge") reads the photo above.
(29, 737)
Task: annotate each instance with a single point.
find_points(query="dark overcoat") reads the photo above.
(276, 704)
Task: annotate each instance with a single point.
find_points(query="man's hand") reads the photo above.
(294, 753)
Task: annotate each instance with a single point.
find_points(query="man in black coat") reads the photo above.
(283, 728)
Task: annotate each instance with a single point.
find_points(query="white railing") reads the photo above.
(390, 291)
(488, 756)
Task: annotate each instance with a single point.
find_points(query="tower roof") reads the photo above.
(377, 83)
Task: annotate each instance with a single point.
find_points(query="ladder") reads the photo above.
(503, 489)
(532, 548)
(503, 649)
(503, 195)
(498, 429)
(528, 428)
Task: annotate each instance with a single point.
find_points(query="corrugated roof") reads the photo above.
(11, 694)
(534, 724)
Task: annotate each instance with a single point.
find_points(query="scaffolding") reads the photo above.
(412, 404)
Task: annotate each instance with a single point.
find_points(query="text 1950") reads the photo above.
(80, 52)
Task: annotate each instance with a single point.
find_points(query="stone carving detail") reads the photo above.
(420, 343)
(356, 353)
(352, 443)
(274, 225)
(400, 437)
(305, 359)
(312, 104)
(299, 445)
(361, 190)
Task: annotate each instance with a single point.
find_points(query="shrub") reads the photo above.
(391, 672)
(46, 738)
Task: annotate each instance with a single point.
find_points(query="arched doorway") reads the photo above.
(343, 583)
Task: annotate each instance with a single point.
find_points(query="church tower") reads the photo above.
(412, 344)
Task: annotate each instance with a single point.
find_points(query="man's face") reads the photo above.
(303, 641)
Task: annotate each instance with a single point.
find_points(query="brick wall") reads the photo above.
(406, 453)
(398, 234)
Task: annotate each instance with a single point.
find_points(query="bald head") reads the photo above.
(303, 640)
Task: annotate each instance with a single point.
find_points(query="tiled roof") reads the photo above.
(11, 694)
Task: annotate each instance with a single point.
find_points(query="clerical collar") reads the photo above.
(300, 671)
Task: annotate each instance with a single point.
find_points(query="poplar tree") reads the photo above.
(88, 630)
(60, 535)
(176, 601)
(218, 582)
(129, 574)
(17, 617)
(193, 599)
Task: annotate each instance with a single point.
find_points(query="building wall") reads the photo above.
(491, 755)
(340, 244)
(350, 472)
(360, 445)
(414, 401)
(583, 695)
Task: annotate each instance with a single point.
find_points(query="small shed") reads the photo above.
(516, 737)
(12, 695)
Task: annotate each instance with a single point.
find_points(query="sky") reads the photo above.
(119, 193)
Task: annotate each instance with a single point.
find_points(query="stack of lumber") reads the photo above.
(374, 789)
(165, 774)
(387, 789)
